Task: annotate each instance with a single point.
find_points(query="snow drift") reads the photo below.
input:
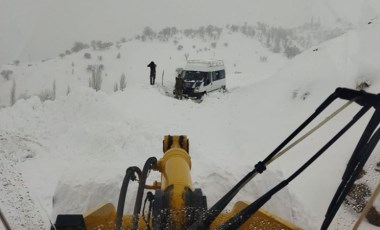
(73, 152)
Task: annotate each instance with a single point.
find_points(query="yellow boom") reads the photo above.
(176, 204)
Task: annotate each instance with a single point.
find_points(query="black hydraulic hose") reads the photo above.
(349, 182)
(129, 175)
(351, 173)
(364, 97)
(369, 130)
(218, 207)
(149, 197)
(149, 165)
(150, 211)
(322, 107)
(367, 133)
(239, 219)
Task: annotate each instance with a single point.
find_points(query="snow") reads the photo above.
(69, 155)
(53, 26)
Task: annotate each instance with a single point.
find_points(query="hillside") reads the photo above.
(52, 27)
(72, 152)
(241, 54)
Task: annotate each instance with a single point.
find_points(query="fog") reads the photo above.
(39, 29)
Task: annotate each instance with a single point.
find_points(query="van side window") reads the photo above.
(218, 75)
(222, 74)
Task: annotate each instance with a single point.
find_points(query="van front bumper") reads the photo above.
(192, 94)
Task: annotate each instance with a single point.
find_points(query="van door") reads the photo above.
(212, 84)
(218, 79)
(207, 84)
(222, 79)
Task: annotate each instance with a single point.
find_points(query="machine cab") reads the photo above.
(203, 76)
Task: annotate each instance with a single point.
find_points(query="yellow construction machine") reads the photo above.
(174, 203)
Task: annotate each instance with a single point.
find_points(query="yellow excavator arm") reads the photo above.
(176, 204)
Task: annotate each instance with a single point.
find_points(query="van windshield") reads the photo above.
(194, 75)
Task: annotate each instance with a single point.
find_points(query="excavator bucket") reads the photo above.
(103, 215)
(262, 219)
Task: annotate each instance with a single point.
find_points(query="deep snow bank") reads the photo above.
(82, 144)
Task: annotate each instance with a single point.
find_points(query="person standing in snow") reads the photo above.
(152, 67)
(179, 87)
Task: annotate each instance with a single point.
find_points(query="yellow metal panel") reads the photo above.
(101, 217)
(262, 220)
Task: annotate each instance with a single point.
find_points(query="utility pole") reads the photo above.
(162, 80)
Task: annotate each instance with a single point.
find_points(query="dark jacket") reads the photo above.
(152, 66)
(179, 84)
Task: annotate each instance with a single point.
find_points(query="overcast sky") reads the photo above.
(36, 29)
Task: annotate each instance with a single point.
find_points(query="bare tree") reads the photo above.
(54, 90)
(6, 74)
(149, 33)
(68, 90)
(115, 87)
(291, 51)
(95, 81)
(123, 82)
(13, 93)
(46, 94)
(78, 46)
(87, 55)
(93, 44)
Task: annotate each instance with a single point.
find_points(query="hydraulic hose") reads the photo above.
(368, 132)
(149, 165)
(218, 207)
(240, 218)
(356, 163)
(129, 175)
(149, 197)
(361, 97)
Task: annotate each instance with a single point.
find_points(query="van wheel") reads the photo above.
(201, 96)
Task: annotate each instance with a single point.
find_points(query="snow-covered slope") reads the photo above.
(53, 26)
(240, 54)
(73, 152)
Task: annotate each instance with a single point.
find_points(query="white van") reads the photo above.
(203, 76)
